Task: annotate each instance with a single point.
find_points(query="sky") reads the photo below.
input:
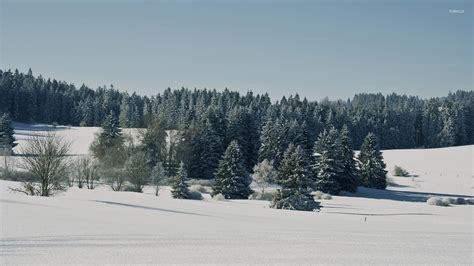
(317, 49)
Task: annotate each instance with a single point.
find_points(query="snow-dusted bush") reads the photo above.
(436, 201)
(218, 197)
(262, 196)
(399, 171)
(450, 200)
(318, 194)
(326, 196)
(264, 174)
(447, 201)
(194, 195)
(321, 195)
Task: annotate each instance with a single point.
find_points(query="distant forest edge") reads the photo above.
(399, 121)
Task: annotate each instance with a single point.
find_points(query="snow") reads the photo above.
(370, 227)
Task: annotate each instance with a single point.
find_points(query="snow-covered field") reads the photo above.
(395, 226)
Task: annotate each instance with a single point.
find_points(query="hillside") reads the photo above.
(395, 226)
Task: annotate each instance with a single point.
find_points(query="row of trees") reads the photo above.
(329, 166)
(399, 121)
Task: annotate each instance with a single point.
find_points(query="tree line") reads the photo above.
(399, 121)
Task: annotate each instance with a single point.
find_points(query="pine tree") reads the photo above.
(7, 140)
(371, 164)
(296, 181)
(348, 179)
(232, 178)
(179, 188)
(328, 166)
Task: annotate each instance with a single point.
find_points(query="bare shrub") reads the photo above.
(85, 172)
(45, 157)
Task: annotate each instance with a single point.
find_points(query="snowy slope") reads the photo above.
(369, 227)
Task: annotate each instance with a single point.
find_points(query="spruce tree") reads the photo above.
(328, 166)
(232, 178)
(371, 164)
(110, 129)
(348, 179)
(296, 181)
(7, 140)
(179, 188)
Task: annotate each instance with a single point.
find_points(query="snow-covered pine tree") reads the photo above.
(371, 164)
(296, 181)
(7, 140)
(349, 179)
(110, 128)
(232, 179)
(179, 188)
(328, 165)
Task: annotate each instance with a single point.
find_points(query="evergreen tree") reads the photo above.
(371, 164)
(296, 181)
(232, 178)
(179, 188)
(348, 179)
(328, 166)
(7, 140)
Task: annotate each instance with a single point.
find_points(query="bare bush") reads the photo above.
(45, 157)
(84, 171)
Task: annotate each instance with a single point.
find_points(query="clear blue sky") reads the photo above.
(315, 48)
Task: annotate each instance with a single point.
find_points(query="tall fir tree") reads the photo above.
(349, 177)
(296, 181)
(232, 179)
(179, 188)
(328, 166)
(7, 139)
(371, 165)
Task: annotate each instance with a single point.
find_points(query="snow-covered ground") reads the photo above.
(394, 226)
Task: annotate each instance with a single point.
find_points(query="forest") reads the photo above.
(399, 121)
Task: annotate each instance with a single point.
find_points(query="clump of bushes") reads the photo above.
(321, 195)
(437, 201)
(399, 171)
